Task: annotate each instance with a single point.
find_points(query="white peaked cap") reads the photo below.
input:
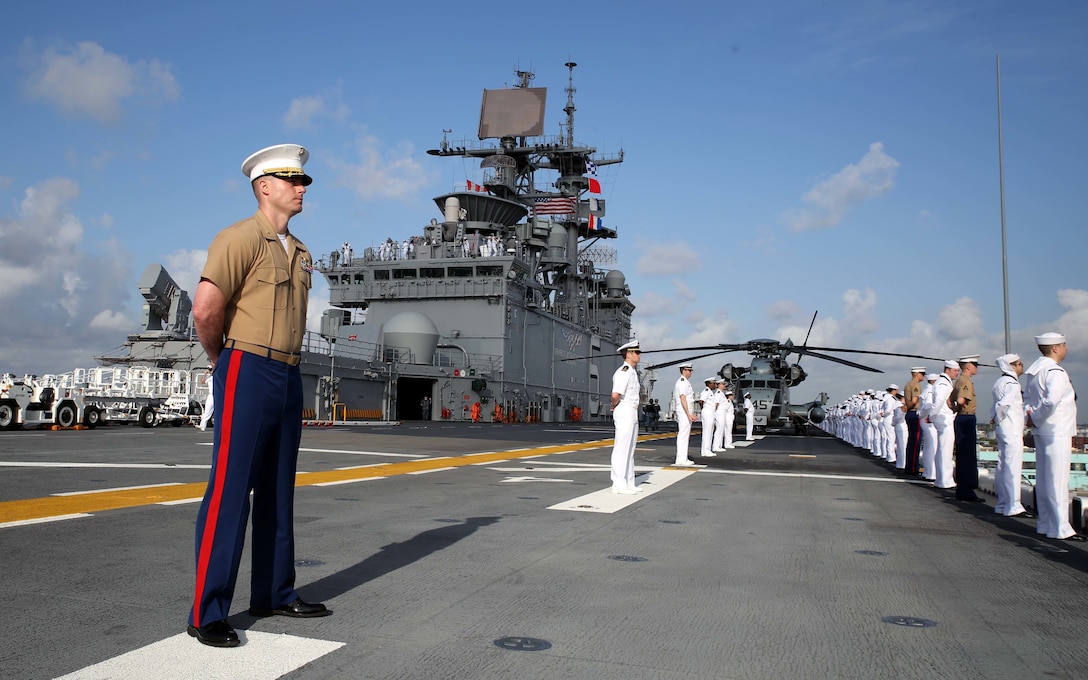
(283, 160)
(627, 345)
(918, 369)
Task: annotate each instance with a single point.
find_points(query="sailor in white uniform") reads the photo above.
(942, 417)
(888, 406)
(719, 417)
(1051, 408)
(927, 429)
(1007, 417)
(625, 397)
(749, 418)
(684, 407)
(709, 398)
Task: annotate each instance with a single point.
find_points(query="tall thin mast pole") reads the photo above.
(1001, 178)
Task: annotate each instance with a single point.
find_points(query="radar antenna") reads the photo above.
(570, 103)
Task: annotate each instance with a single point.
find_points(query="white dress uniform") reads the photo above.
(710, 404)
(719, 420)
(888, 405)
(1007, 414)
(1051, 403)
(683, 389)
(625, 416)
(927, 429)
(749, 419)
(942, 417)
(899, 424)
(730, 415)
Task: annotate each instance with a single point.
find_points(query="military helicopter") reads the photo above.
(770, 376)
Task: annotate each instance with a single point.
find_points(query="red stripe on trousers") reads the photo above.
(222, 456)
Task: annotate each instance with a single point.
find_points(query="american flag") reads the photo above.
(553, 206)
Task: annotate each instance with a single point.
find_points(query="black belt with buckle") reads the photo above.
(289, 358)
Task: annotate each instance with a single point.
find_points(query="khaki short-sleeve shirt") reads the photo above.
(911, 391)
(267, 287)
(964, 388)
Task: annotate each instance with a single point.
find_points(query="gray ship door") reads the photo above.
(415, 399)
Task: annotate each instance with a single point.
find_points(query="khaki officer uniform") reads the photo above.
(966, 428)
(266, 285)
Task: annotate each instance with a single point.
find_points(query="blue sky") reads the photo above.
(781, 158)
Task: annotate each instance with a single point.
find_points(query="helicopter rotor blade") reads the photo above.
(679, 361)
(837, 360)
(866, 351)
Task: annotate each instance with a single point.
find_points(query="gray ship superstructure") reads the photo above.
(485, 304)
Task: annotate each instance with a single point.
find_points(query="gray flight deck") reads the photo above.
(795, 557)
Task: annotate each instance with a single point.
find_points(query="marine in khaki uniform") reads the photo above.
(965, 425)
(250, 314)
(911, 393)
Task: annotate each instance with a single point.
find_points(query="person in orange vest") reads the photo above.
(498, 413)
(476, 412)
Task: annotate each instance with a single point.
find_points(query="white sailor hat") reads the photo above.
(711, 379)
(930, 377)
(969, 359)
(728, 392)
(721, 381)
(1049, 339)
(951, 363)
(686, 366)
(917, 369)
(747, 394)
(870, 391)
(283, 160)
(893, 386)
(622, 349)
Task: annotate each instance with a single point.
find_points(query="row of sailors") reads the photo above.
(937, 420)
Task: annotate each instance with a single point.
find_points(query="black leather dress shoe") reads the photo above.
(298, 609)
(1075, 538)
(1024, 515)
(971, 499)
(215, 634)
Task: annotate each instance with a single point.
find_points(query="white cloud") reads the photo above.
(667, 258)
(832, 198)
(61, 298)
(649, 305)
(1074, 322)
(184, 266)
(783, 310)
(305, 110)
(379, 174)
(85, 80)
(961, 320)
(859, 311)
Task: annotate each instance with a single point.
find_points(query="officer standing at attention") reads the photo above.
(966, 445)
(719, 417)
(942, 417)
(749, 418)
(250, 314)
(926, 459)
(911, 391)
(684, 406)
(625, 396)
(1051, 408)
(1007, 417)
(709, 397)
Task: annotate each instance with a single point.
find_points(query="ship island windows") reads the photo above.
(489, 270)
(464, 272)
(432, 273)
(404, 273)
(381, 274)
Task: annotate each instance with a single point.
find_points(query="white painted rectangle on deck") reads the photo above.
(261, 656)
(349, 481)
(607, 502)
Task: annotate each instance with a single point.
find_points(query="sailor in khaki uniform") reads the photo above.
(684, 407)
(1051, 408)
(625, 396)
(966, 428)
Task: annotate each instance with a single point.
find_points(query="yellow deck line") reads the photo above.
(99, 501)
